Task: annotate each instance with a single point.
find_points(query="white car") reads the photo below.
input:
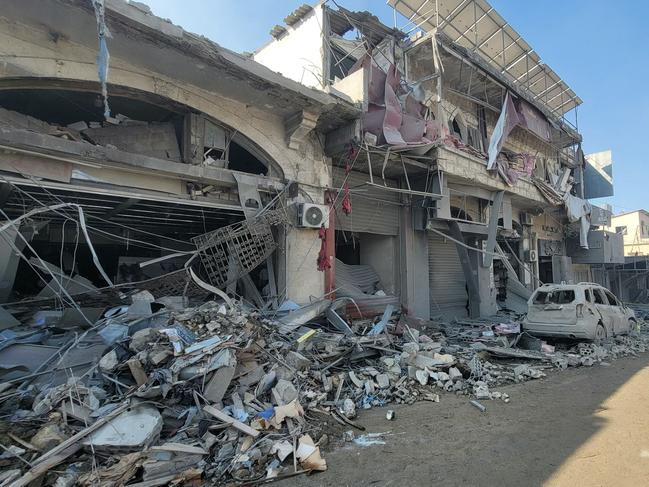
(582, 311)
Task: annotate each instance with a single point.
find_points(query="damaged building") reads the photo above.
(381, 153)
(463, 164)
(180, 138)
(212, 261)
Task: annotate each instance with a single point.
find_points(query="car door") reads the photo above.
(620, 323)
(605, 311)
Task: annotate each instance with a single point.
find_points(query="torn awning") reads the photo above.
(516, 112)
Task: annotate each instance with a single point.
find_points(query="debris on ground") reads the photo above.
(220, 391)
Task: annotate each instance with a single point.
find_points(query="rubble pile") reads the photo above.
(159, 392)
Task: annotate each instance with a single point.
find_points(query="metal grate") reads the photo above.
(233, 251)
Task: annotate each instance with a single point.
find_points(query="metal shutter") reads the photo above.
(374, 210)
(448, 295)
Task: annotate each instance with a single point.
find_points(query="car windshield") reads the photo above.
(563, 296)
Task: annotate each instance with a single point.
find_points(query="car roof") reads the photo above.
(580, 285)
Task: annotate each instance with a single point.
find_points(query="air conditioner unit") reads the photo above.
(312, 216)
(527, 219)
(531, 256)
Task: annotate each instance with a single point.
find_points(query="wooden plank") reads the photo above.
(180, 448)
(244, 428)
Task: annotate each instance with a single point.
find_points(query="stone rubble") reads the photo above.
(219, 393)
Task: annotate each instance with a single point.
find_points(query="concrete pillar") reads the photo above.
(9, 260)
(485, 280)
(303, 280)
(413, 256)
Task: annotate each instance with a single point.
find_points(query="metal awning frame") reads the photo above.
(537, 78)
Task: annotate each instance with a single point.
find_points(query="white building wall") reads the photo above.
(298, 55)
(636, 236)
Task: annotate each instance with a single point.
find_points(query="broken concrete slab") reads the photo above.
(454, 374)
(218, 385)
(383, 381)
(133, 429)
(284, 392)
(48, 437)
(109, 362)
(142, 339)
(297, 360)
(295, 319)
(7, 320)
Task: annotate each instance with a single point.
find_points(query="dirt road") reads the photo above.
(587, 426)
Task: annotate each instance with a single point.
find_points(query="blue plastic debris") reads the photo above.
(380, 326)
(267, 413)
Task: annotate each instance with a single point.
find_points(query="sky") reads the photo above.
(598, 47)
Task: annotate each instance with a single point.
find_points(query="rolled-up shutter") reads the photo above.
(448, 295)
(374, 210)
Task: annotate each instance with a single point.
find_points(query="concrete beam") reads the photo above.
(79, 152)
(497, 203)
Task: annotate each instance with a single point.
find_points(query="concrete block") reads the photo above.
(383, 381)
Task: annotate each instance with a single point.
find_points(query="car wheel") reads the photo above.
(633, 326)
(600, 333)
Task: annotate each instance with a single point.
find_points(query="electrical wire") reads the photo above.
(96, 217)
(44, 264)
(143, 244)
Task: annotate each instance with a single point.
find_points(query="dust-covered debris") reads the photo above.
(227, 393)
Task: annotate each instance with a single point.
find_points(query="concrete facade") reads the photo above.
(528, 219)
(52, 45)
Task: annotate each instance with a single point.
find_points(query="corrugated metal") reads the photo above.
(448, 295)
(374, 210)
(359, 282)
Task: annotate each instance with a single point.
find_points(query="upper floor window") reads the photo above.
(644, 230)
(456, 127)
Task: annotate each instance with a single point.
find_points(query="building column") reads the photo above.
(414, 272)
(485, 280)
(9, 260)
(303, 280)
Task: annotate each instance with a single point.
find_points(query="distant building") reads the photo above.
(634, 227)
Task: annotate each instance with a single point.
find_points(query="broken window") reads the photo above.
(460, 214)
(208, 143)
(344, 54)
(455, 128)
(563, 296)
(612, 300)
(599, 296)
(644, 230)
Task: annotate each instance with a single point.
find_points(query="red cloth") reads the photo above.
(323, 260)
(347, 202)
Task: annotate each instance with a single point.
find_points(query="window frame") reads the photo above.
(559, 295)
(602, 295)
(610, 295)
